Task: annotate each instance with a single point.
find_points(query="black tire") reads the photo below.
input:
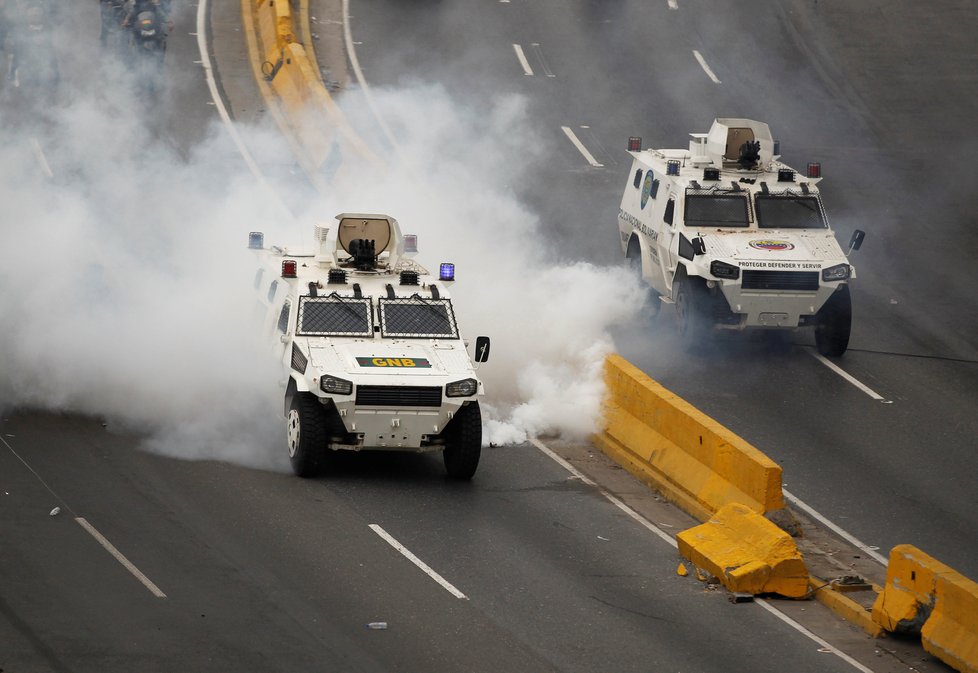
(306, 434)
(463, 442)
(634, 260)
(833, 323)
(692, 305)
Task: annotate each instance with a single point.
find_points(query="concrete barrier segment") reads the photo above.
(665, 441)
(317, 131)
(746, 553)
(923, 595)
(844, 606)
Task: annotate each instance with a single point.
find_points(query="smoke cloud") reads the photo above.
(128, 288)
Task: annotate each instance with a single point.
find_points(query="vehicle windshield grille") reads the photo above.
(334, 316)
(789, 212)
(717, 210)
(417, 318)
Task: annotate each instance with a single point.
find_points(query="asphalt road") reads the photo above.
(883, 95)
(262, 571)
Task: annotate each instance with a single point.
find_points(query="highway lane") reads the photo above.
(261, 570)
(889, 473)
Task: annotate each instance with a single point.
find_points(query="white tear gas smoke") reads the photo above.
(128, 289)
(451, 179)
(126, 282)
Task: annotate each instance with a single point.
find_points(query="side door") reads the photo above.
(665, 221)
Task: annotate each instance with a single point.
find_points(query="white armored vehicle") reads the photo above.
(734, 238)
(370, 347)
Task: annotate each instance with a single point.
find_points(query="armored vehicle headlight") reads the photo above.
(335, 386)
(837, 272)
(463, 388)
(724, 270)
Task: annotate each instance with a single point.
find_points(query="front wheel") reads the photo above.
(692, 303)
(306, 434)
(463, 445)
(833, 324)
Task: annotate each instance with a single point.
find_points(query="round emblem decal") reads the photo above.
(771, 244)
(647, 188)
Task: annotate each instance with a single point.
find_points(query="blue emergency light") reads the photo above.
(446, 271)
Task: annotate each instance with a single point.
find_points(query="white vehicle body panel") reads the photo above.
(779, 270)
(398, 397)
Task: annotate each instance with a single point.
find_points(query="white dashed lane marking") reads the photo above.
(527, 70)
(706, 68)
(425, 568)
(580, 147)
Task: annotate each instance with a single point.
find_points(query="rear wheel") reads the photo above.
(306, 434)
(833, 324)
(463, 443)
(634, 260)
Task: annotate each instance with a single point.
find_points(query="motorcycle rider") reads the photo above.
(31, 41)
(160, 7)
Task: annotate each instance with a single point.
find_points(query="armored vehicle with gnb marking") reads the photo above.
(370, 347)
(733, 238)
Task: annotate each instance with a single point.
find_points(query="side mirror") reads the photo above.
(699, 246)
(857, 239)
(285, 338)
(481, 349)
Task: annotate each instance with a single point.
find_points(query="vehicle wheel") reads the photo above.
(634, 260)
(692, 303)
(463, 445)
(306, 434)
(833, 323)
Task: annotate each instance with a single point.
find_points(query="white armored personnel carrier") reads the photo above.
(370, 347)
(735, 239)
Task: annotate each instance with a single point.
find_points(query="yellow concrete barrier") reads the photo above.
(668, 443)
(923, 595)
(319, 134)
(746, 552)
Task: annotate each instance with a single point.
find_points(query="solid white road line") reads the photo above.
(672, 542)
(850, 378)
(41, 159)
(615, 501)
(673, 4)
(425, 568)
(527, 70)
(580, 147)
(126, 563)
(361, 80)
(706, 68)
(824, 643)
(205, 59)
(852, 539)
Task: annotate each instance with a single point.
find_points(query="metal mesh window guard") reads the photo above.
(334, 316)
(414, 317)
(789, 212)
(716, 210)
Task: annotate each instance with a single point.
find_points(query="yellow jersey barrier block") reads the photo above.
(844, 606)
(923, 595)
(746, 552)
(694, 461)
(319, 133)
